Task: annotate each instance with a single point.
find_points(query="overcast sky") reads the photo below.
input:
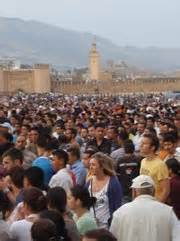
(125, 22)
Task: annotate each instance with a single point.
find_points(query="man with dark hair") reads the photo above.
(169, 144)
(127, 169)
(112, 135)
(43, 161)
(86, 157)
(76, 164)
(29, 156)
(71, 134)
(99, 235)
(11, 158)
(122, 137)
(99, 142)
(153, 166)
(33, 177)
(139, 135)
(6, 140)
(62, 178)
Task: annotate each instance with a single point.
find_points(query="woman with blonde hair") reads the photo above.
(105, 187)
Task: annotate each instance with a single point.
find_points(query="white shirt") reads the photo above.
(61, 179)
(145, 219)
(101, 207)
(21, 230)
(137, 141)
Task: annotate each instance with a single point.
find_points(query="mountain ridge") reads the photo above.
(32, 41)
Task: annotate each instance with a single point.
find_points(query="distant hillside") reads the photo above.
(31, 41)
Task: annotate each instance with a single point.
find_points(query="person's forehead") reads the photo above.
(7, 158)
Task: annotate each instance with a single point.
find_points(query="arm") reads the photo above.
(165, 187)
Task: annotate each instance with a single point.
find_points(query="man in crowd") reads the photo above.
(29, 156)
(99, 142)
(76, 165)
(153, 166)
(145, 219)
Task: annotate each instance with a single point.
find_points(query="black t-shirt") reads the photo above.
(127, 169)
(104, 147)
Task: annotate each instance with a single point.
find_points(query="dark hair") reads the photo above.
(169, 137)
(114, 128)
(57, 199)
(123, 135)
(7, 136)
(129, 147)
(73, 131)
(44, 230)
(61, 154)
(154, 140)
(82, 193)
(14, 154)
(5, 204)
(58, 220)
(90, 150)
(99, 125)
(17, 175)
(100, 235)
(35, 176)
(151, 130)
(174, 165)
(35, 199)
(74, 150)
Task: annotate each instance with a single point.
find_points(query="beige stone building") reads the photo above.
(35, 80)
(94, 64)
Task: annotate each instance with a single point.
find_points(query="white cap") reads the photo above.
(142, 181)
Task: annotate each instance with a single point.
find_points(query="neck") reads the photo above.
(80, 211)
(151, 156)
(101, 176)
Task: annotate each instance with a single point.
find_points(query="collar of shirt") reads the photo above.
(145, 196)
(76, 164)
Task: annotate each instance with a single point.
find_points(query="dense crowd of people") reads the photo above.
(89, 168)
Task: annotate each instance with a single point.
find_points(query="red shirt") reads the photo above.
(175, 194)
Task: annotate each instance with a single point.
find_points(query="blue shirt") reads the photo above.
(45, 164)
(79, 171)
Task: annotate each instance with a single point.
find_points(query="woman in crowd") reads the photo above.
(34, 202)
(105, 187)
(44, 230)
(57, 200)
(79, 201)
(174, 196)
(58, 220)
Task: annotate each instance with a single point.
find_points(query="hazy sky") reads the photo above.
(125, 22)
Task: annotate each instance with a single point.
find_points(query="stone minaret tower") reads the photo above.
(94, 63)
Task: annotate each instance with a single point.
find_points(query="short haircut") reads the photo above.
(74, 150)
(57, 199)
(35, 176)
(154, 140)
(17, 174)
(61, 154)
(123, 135)
(129, 147)
(100, 235)
(43, 230)
(73, 131)
(169, 137)
(90, 150)
(14, 154)
(99, 125)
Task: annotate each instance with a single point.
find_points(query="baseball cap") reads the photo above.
(142, 181)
